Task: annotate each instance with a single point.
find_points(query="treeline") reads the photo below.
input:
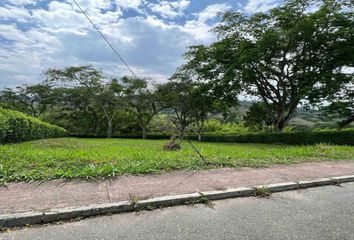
(85, 102)
(297, 54)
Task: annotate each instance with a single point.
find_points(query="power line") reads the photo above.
(104, 37)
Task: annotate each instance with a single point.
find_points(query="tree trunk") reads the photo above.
(181, 132)
(144, 132)
(199, 137)
(200, 125)
(279, 126)
(94, 126)
(109, 124)
(109, 128)
(283, 118)
(199, 131)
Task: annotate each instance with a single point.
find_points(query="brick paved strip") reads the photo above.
(57, 194)
(54, 215)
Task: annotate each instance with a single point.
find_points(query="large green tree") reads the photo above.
(190, 101)
(282, 55)
(74, 109)
(141, 101)
(97, 96)
(257, 117)
(177, 97)
(110, 100)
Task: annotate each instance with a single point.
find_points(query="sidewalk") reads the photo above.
(24, 197)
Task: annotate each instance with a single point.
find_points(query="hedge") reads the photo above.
(155, 136)
(16, 127)
(343, 137)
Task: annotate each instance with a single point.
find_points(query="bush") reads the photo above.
(155, 136)
(215, 126)
(344, 137)
(17, 127)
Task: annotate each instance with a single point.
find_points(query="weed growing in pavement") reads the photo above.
(262, 192)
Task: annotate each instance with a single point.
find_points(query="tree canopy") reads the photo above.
(282, 55)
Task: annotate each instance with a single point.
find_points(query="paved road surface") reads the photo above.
(318, 213)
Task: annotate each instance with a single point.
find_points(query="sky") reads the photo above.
(150, 35)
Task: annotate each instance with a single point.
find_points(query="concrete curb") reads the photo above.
(55, 215)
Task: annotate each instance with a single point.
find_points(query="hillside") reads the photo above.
(303, 118)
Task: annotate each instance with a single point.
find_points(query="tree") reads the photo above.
(110, 100)
(176, 96)
(74, 109)
(191, 101)
(341, 106)
(89, 82)
(257, 117)
(280, 56)
(30, 99)
(141, 100)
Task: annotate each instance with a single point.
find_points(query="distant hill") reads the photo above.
(303, 118)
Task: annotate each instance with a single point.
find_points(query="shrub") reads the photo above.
(215, 126)
(172, 145)
(344, 137)
(17, 127)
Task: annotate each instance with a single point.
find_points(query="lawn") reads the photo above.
(93, 158)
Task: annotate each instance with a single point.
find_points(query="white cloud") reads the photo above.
(19, 14)
(135, 4)
(254, 6)
(94, 4)
(24, 42)
(25, 54)
(200, 28)
(65, 17)
(10, 32)
(212, 11)
(60, 17)
(170, 9)
(20, 2)
(59, 36)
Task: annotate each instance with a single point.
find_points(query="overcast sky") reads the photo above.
(151, 35)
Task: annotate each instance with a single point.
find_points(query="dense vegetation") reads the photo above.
(299, 52)
(92, 158)
(333, 137)
(16, 127)
(295, 57)
(295, 138)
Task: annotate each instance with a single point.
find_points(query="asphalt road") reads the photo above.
(318, 213)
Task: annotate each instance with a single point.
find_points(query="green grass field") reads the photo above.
(93, 158)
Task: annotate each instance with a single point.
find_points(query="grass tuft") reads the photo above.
(202, 199)
(262, 192)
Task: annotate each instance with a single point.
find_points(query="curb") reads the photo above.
(55, 215)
